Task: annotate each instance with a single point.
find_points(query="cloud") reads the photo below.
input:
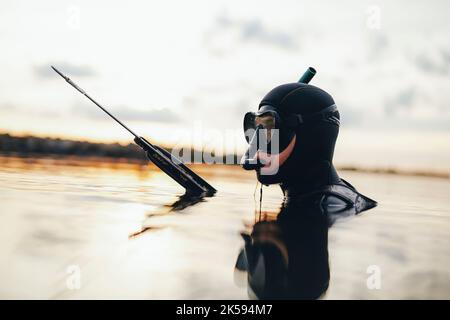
(437, 62)
(378, 44)
(7, 107)
(404, 99)
(125, 113)
(44, 71)
(445, 54)
(254, 30)
(157, 115)
(29, 111)
(228, 31)
(351, 117)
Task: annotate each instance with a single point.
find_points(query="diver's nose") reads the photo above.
(249, 160)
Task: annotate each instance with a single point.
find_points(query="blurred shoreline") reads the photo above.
(72, 152)
(28, 146)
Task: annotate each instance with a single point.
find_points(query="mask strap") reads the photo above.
(297, 119)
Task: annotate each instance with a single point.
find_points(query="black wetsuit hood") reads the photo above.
(310, 163)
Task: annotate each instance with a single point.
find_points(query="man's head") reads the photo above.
(302, 121)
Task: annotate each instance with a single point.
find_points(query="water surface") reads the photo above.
(124, 228)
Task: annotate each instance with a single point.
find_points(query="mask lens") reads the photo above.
(267, 122)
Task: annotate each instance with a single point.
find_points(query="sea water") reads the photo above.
(72, 228)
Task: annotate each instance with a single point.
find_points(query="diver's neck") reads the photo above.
(311, 180)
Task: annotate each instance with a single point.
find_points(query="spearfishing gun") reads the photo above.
(167, 162)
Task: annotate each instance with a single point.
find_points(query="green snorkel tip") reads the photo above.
(308, 75)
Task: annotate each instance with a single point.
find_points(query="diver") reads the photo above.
(291, 143)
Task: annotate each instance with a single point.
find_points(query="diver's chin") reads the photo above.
(273, 162)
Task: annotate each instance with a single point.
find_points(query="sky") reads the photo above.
(186, 72)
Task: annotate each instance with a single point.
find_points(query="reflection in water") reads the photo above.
(286, 256)
(184, 201)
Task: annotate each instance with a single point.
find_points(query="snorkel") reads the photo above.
(257, 156)
(308, 75)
